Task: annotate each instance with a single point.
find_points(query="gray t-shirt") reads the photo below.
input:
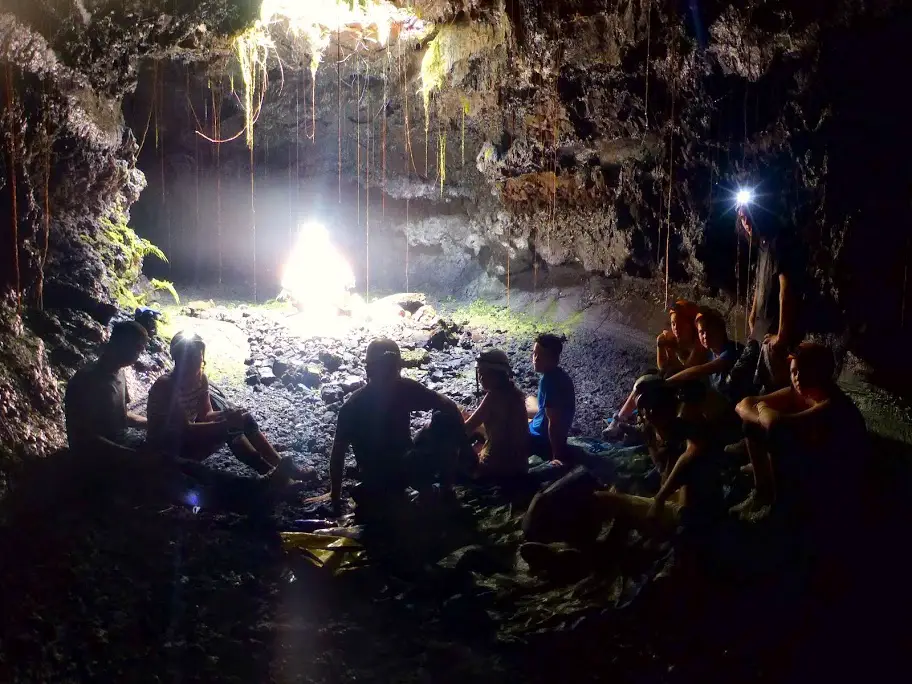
(96, 405)
(777, 257)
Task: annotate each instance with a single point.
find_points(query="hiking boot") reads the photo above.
(617, 428)
(751, 507)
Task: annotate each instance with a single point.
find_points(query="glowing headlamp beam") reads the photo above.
(744, 197)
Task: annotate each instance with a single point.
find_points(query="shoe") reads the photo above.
(752, 509)
(746, 505)
(747, 469)
(739, 448)
(616, 429)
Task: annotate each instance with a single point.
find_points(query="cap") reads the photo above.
(495, 359)
(382, 349)
(685, 308)
(815, 357)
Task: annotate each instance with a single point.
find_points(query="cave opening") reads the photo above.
(266, 187)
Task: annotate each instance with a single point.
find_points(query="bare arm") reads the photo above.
(531, 407)
(786, 309)
(701, 371)
(558, 429)
(165, 417)
(135, 420)
(476, 420)
(749, 409)
(674, 481)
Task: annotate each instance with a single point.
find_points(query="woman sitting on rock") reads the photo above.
(676, 350)
(183, 423)
(501, 418)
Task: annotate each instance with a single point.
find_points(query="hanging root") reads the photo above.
(14, 193)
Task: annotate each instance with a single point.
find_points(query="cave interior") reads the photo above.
(275, 174)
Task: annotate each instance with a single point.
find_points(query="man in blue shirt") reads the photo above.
(552, 413)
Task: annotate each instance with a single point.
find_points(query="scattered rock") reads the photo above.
(267, 377)
(248, 361)
(253, 378)
(330, 394)
(310, 377)
(280, 367)
(441, 339)
(330, 360)
(352, 383)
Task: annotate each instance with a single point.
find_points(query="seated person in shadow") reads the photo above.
(574, 509)
(184, 426)
(806, 443)
(501, 418)
(676, 350)
(553, 410)
(375, 422)
(97, 397)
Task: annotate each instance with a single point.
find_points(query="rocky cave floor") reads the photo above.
(112, 591)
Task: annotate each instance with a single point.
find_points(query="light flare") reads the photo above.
(316, 277)
(744, 197)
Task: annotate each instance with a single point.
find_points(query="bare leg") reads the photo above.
(762, 469)
(247, 454)
(628, 407)
(266, 451)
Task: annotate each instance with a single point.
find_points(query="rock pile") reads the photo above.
(296, 386)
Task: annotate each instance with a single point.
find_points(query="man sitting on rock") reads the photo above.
(806, 442)
(375, 422)
(552, 411)
(96, 399)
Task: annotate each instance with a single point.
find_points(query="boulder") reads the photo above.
(330, 360)
(352, 383)
(267, 377)
(253, 378)
(409, 301)
(280, 367)
(309, 377)
(442, 338)
(330, 394)
(416, 358)
(425, 315)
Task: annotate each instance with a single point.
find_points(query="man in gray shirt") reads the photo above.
(96, 400)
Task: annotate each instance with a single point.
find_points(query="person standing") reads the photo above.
(774, 322)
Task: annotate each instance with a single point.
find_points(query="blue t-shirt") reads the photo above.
(555, 391)
(730, 352)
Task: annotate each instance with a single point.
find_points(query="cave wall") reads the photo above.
(68, 178)
(567, 128)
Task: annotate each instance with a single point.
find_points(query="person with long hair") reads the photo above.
(184, 424)
(501, 418)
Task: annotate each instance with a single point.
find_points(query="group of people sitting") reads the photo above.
(774, 401)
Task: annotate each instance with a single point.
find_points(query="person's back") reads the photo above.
(555, 390)
(95, 405)
(377, 420)
(506, 449)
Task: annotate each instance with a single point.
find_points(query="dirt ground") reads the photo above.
(123, 590)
